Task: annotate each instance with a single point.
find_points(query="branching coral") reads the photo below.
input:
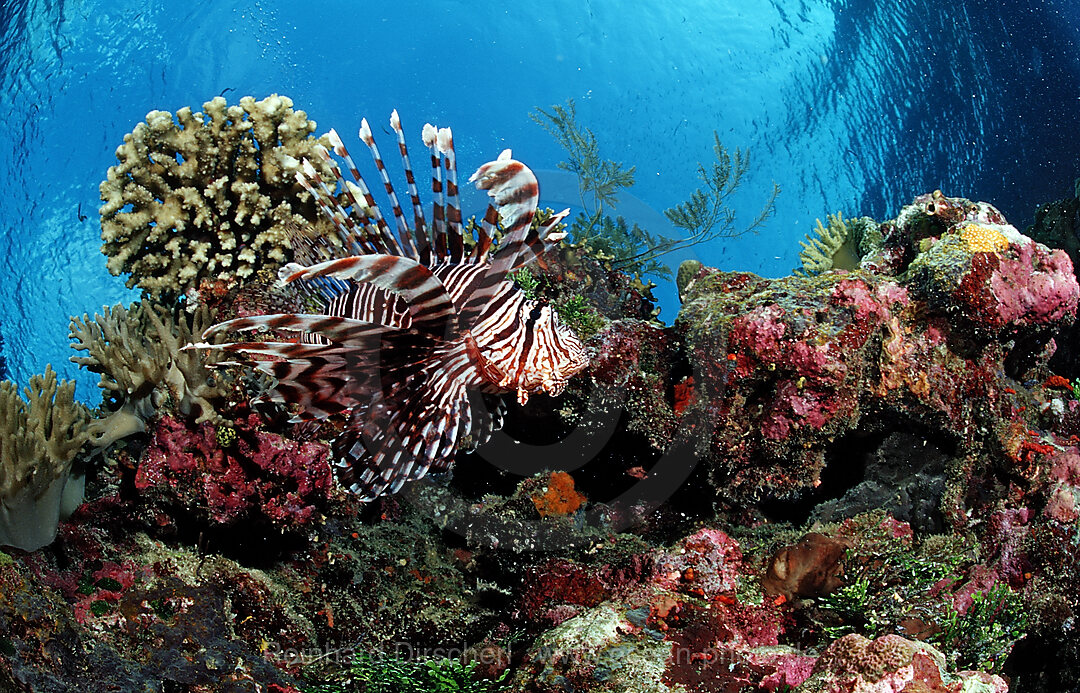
(39, 437)
(137, 351)
(208, 195)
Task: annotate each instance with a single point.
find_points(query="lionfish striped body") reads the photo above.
(415, 337)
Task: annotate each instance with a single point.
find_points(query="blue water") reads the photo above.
(852, 105)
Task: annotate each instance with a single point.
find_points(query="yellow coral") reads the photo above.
(982, 239)
(138, 352)
(208, 195)
(39, 437)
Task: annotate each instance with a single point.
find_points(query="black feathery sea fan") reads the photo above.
(414, 334)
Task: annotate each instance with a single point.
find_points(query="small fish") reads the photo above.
(415, 338)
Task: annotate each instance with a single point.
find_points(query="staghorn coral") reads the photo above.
(138, 353)
(208, 195)
(39, 437)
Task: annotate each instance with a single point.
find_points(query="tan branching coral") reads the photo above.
(138, 353)
(39, 437)
(840, 245)
(208, 195)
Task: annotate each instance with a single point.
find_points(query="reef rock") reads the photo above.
(929, 332)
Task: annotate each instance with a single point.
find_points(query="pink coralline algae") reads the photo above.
(705, 564)
(1037, 287)
(889, 664)
(1024, 285)
(678, 625)
(964, 257)
(1063, 483)
(559, 589)
(259, 474)
(786, 375)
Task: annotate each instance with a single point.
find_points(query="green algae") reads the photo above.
(386, 673)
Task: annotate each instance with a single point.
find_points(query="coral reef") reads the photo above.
(854, 663)
(886, 495)
(787, 365)
(144, 368)
(39, 437)
(695, 624)
(208, 195)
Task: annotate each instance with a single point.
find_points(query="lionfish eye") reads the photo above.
(534, 315)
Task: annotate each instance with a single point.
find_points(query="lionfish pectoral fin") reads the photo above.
(419, 433)
(488, 415)
(488, 370)
(332, 327)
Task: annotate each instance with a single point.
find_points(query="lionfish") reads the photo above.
(415, 335)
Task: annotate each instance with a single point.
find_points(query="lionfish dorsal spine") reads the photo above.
(445, 144)
(404, 233)
(363, 230)
(389, 241)
(355, 238)
(488, 228)
(423, 239)
(515, 193)
(438, 204)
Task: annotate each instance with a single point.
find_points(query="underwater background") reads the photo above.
(851, 105)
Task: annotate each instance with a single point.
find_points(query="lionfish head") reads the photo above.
(548, 353)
